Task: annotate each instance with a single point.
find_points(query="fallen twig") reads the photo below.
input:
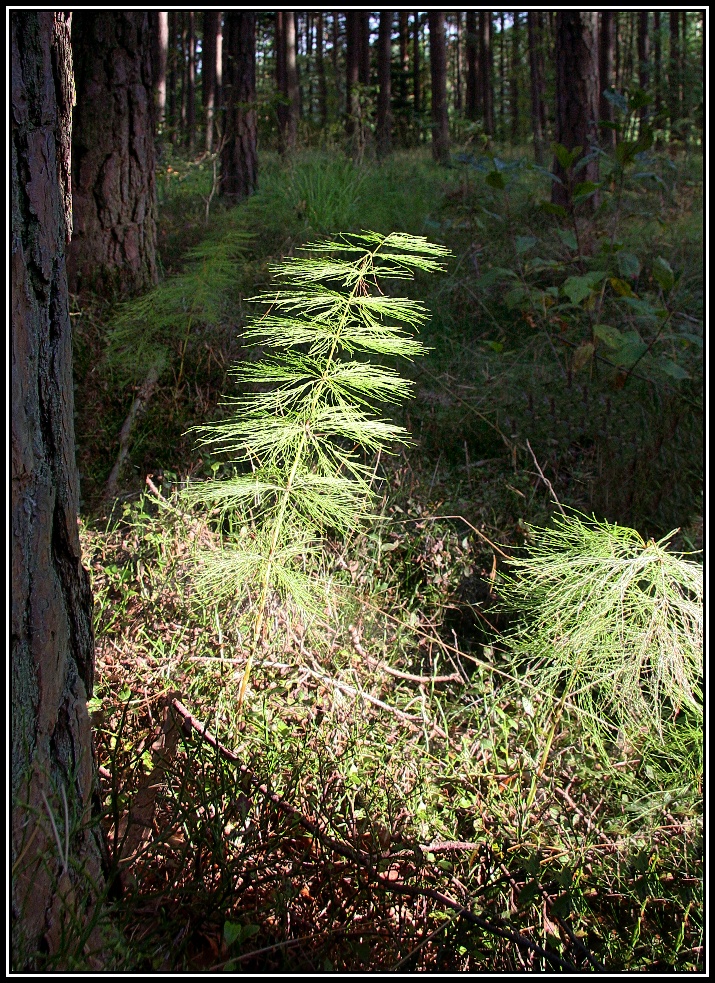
(138, 404)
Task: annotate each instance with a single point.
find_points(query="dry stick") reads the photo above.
(361, 857)
(357, 645)
(545, 479)
(138, 405)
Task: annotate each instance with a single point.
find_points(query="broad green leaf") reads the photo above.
(672, 368)
(568, 238)
(585, 190)
(495, 180)
(628, 264)
(632, 349)
(565, 157)
(583, 355)
(515, 297)
(525, 243)
(620, 287)
(612, 336)
(663, 273)
(551, 209)
(577, 288)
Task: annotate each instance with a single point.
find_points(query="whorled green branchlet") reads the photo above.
(299, 438)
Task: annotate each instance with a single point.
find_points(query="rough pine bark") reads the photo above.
(239, 158)
(576, 96)
(113, 179)
(438, 75)
(55, 874)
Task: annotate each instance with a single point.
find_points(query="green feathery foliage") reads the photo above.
(297, 439)
(145, 331)
(611, 623)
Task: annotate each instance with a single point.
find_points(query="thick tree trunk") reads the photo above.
(674, 80)
(576, 95)
(384, 97)
(606, 57)
(658, 64)
(172, 83)
(472, 73)
(55, 859)
(114, 184)
(239, 160)
(438, 75)
(364, 47)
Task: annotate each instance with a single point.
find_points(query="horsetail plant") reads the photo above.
(297, 440)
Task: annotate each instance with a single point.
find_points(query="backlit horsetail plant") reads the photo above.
(299, 438)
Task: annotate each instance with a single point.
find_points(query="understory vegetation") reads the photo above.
(479, 747)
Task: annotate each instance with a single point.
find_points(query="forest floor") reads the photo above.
(394, 796)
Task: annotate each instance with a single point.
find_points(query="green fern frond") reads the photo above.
(306, 428)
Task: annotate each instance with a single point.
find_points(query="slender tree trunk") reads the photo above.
(239, 159)
(515, 59)
(416, 83)
(538, 112)
(684, 90)
(472, 74)
(384, 98)
(320, 70)
(183, 75)
(352, 75)
(674, 73)
(191, 84)
(292, 77)
(162, 50)
(55, 859)
(438, 75)
(606, 54)
(172, 79)
(335, 58)
(576, 95)
(643, 57)
(485, 69)
(502, 75)
(458, 68)
(364, 47)
(208, 74)
(658, 64)
(281, 80)
(114, 245)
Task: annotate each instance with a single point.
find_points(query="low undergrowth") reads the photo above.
(434, 770)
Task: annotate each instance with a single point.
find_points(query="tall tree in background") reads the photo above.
(384, 96)
(352, 72)
(657, 63)
(160, 31)
(606, 59)
(113, 179)
(239, 159)
(320, 70)
(674, 78)
(191, 83)
(486, 83)
(643, 57)
(210, 73)
(416, 69)
(286, 79)
(54, 856)
(576, 95)
(536, 64)
(438, 76)
(472, 41)
(515, 59)
(363, 21)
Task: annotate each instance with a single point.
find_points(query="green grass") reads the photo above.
(611, 839)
